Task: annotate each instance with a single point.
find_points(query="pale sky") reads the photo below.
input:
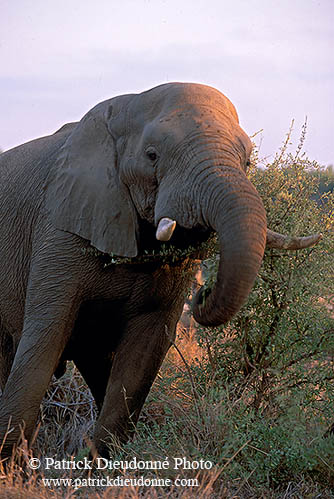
(273, 58)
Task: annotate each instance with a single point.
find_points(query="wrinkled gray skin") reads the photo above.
(175, 151)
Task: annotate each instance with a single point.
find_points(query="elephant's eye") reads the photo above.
(151, 154)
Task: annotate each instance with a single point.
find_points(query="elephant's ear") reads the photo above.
(84, 195)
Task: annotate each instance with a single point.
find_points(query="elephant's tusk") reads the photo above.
(165, 229)
(281, 241)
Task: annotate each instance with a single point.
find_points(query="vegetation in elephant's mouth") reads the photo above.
(166, 253)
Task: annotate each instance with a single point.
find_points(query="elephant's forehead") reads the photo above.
(183, 99)
(173, 125)
(193, 114)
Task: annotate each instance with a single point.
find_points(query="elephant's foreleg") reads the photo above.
(50, 313)
(35, 361)
(136, 363)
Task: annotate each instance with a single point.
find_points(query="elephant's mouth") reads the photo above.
(193, 244)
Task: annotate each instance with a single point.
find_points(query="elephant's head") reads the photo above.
(172, 156)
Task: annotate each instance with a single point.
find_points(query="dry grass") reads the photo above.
(17, 481)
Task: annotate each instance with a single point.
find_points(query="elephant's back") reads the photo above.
(23, 171)
(25, 165)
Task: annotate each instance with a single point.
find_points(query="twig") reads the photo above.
(195, 393)
(235, 454)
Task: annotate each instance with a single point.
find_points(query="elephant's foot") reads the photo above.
(108, 442)
(11, 437)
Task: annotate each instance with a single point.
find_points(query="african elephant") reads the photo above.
(166, 166)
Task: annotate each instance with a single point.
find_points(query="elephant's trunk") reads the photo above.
(235, 211)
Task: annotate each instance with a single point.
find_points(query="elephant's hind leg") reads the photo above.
(95, 370)
(93, 343)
